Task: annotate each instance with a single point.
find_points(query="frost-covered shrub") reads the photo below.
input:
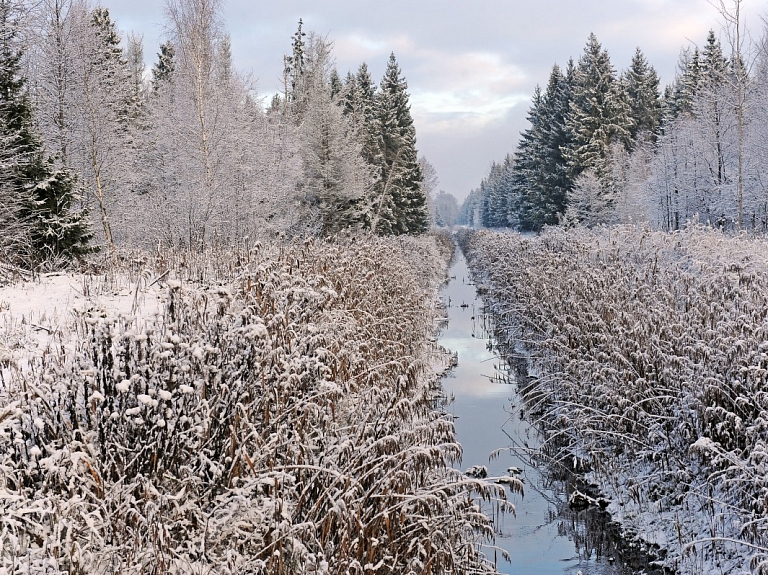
(277, 417)
(649, 361)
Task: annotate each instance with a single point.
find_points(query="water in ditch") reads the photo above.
(546, 537)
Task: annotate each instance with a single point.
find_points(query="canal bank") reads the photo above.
(547, 536)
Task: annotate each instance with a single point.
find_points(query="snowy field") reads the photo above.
(269, 409)
(649, 357)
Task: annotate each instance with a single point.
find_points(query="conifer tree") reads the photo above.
(293, 76)
(336, 177)
(499, 190)
(642, 86)
(39, 195)
(400, 205)
(370, 130)
(163, 69)
(540, 177)
(599, 117)
(711, 106)
(687, 83)
(526, 170)
(599, 114)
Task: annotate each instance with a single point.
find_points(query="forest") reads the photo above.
(218, 310)
(99, 153)
(635, 293)
(608, 148)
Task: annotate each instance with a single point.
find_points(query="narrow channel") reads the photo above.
(543, 539)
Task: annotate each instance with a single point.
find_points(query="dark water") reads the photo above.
(546, 537)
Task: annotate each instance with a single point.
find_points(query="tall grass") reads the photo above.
(649, 357)
(277, 417)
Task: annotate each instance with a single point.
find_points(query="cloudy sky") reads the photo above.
(471, 65)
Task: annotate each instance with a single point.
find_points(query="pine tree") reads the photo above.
(642, 87)
(401, 207)
(39, 194)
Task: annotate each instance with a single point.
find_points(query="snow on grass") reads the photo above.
(649, 359)
(265, 409)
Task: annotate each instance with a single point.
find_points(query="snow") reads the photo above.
(647, 348)
(247, 414)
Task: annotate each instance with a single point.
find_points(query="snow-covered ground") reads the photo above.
(36, 315)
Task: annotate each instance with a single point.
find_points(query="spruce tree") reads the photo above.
(599, 117)
(369, 130)
(556, 182)
(540, 179)
(499, 191)
(642, 86)
(687, 83)
(335, 174)
(401, 205)
(42, 194)
(527, 169)
(162, 71)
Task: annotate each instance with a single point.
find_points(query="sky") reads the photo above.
(471, 65)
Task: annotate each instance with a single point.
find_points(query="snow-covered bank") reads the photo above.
(265, 410)
(649, 361)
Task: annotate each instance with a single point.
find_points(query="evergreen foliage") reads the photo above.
(400, 204)
(336, 179)
(599, 114)
(642, 88)
(162, 71)
(39, 195)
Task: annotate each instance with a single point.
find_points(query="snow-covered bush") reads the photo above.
(278, 416)
(648, 357)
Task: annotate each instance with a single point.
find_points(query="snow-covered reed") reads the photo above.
(278, 416)
(648, 362)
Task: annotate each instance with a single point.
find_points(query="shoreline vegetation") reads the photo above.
(647, 372)
(267, 409)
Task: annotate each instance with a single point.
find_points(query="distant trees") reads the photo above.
(446, 209)
(603, 148)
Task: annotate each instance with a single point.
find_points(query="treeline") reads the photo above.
(608, 148)
(97, 152)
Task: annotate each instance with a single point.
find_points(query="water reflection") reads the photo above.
(546, 537)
